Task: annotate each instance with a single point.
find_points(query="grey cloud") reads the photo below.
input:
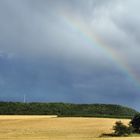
(39, 50)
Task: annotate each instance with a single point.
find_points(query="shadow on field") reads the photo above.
(109, 135)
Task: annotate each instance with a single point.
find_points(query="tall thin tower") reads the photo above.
(24, 100)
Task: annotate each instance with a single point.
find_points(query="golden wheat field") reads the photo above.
(53, 128)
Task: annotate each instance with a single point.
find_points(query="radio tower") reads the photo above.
(24, 98)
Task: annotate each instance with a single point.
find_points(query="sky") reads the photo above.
(74, 51)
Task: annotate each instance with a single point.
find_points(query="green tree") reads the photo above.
(122, 130)
(136, 123)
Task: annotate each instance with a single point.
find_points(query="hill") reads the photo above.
(66, 109)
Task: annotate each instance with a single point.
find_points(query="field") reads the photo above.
(53, 128)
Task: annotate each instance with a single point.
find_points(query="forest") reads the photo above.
(66, 109)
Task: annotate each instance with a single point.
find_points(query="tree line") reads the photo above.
(66, 109)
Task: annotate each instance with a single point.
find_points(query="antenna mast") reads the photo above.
(24, 98)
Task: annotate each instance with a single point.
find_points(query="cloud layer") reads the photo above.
(46, 57)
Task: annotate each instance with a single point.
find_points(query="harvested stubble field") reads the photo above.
(53, 128)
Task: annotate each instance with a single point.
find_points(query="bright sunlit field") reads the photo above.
(53, 128)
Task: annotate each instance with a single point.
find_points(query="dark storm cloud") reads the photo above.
(45, 58)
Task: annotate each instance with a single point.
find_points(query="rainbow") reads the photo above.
(98, 43)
